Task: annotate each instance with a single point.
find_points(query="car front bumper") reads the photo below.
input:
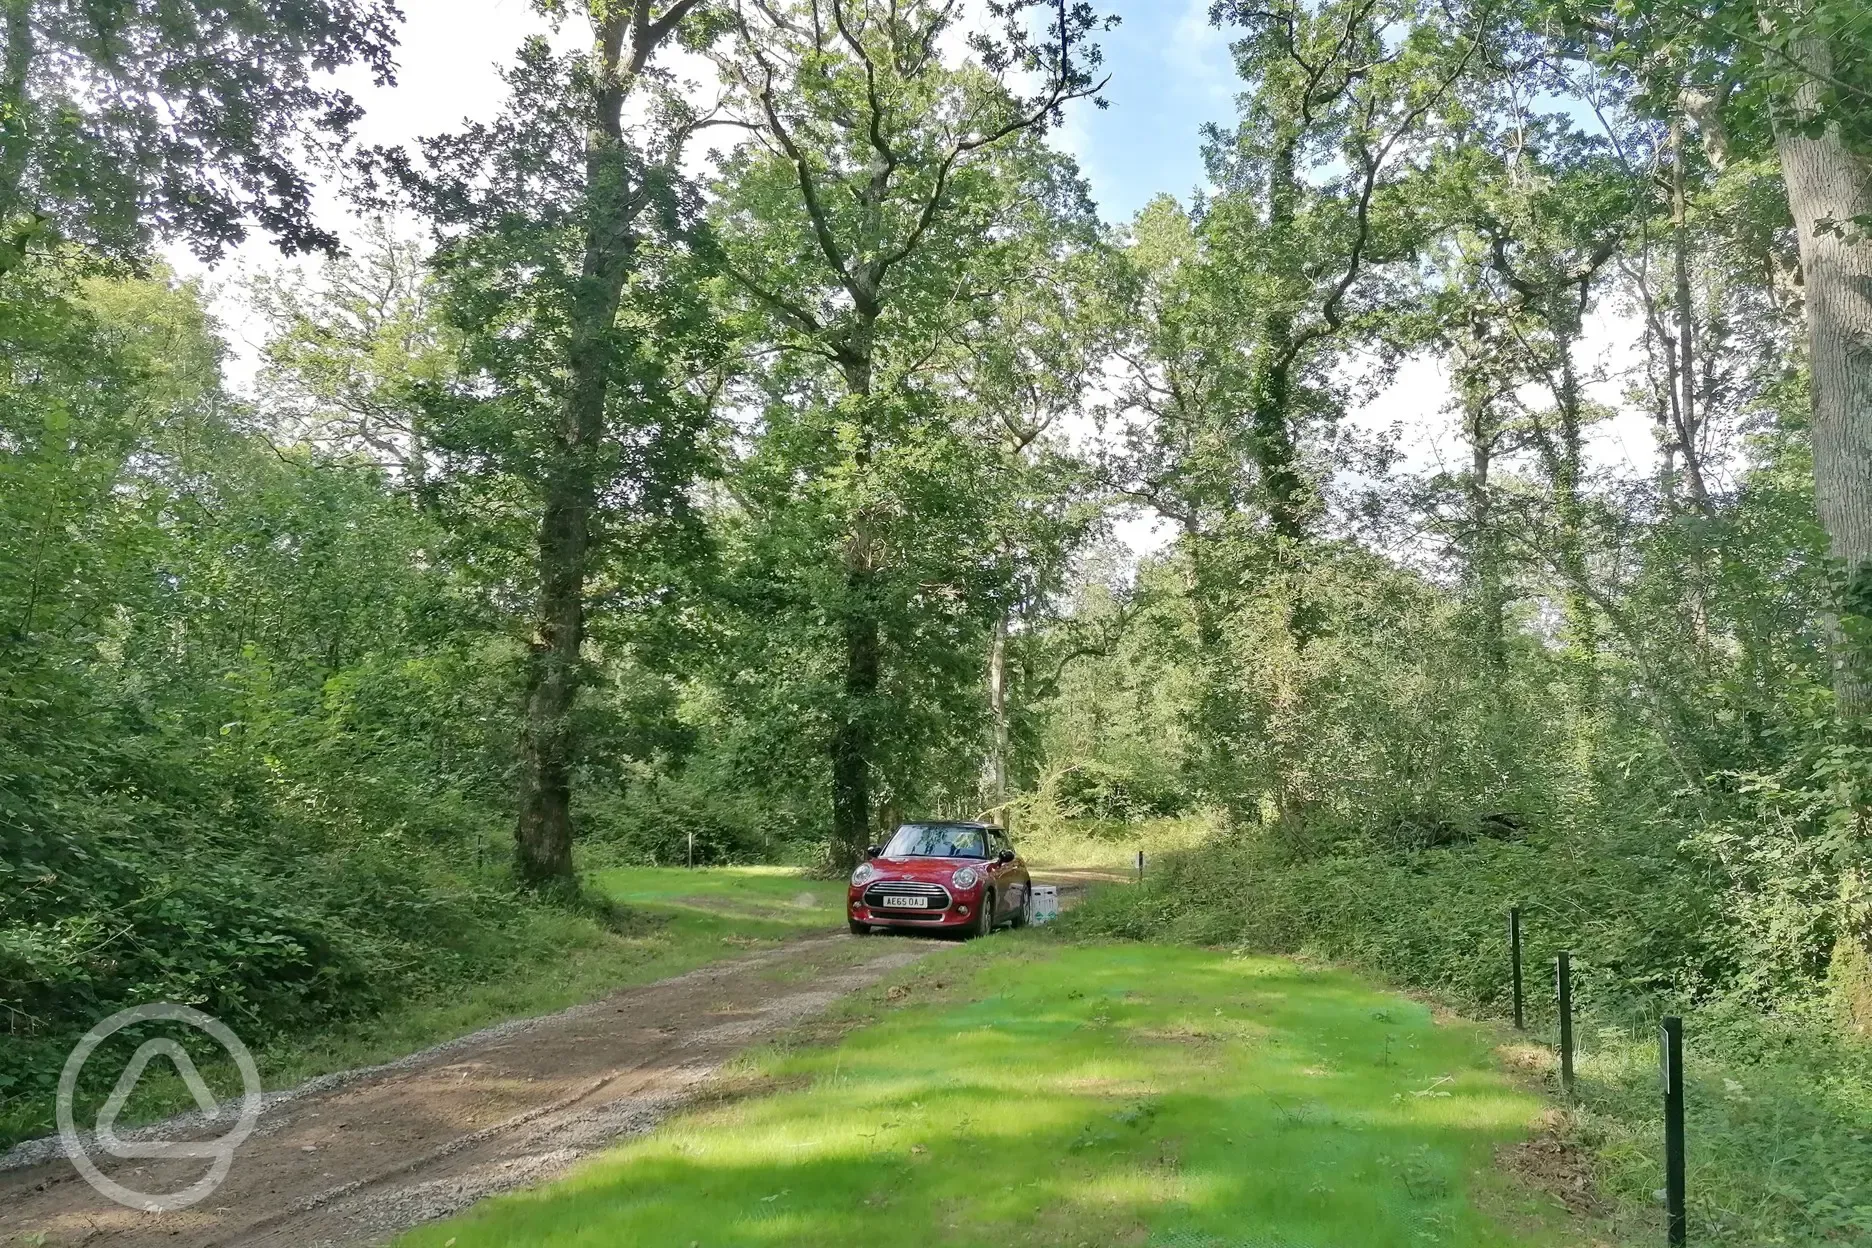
(959, 912)
(956, 916)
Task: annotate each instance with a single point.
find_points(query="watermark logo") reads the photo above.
(220, 1152)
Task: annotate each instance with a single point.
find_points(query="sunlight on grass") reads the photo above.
(1025, 1092)
(1084, 843)
(770, 901)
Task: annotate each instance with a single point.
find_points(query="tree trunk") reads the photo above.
(852, 742)
(1829, 188)
(1273, 438)
(997, 706)
(1565, 465)
(16, 138)
(548, 738)
(543, 834)
(1689, 439)
(1272, 395)
(1686, 408)
(1484, 558)
(1218, 706)
(1565, 478)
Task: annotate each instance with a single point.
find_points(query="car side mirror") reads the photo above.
(872, 851)
(1006, 855)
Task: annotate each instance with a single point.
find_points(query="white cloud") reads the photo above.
(1418, 404)
(1198, 54)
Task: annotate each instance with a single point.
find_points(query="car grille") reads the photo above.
(875, 894)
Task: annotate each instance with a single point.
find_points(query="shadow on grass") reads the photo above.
(1071, 1095)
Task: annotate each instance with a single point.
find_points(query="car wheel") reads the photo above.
(1024, 914)
(985, 917)
(859, 929)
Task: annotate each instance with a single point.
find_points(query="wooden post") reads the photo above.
(1563, 988)
(1514, 954)
(1670, 1054)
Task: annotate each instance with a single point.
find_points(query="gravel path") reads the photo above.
(357, 1157)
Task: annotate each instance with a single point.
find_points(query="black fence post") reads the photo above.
(1140, 866)
(1514, 953)
(1670, 1054)
(1563, 988)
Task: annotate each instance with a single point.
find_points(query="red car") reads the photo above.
(946, 876)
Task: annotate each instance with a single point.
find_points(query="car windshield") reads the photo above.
(937, 840)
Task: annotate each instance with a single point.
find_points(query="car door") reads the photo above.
(1017, 870)
(1010, 877)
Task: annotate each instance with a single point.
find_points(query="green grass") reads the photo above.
(1778, 1103)
(676, 920)
(1777, 1113)
(1052, 842)
(775, 901)
(1023, 1091)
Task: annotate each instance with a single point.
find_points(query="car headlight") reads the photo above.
(967, 877)
(864, 873)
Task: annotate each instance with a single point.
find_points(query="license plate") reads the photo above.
(906, 903)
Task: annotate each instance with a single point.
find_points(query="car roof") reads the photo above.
(950, 823)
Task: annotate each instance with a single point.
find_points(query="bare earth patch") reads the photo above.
(358, 1159)
(1525, 1058)
(1554, 1165)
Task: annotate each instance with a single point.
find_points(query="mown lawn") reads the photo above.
(1022, 1091)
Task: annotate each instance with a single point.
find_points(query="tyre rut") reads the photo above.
(359, 1158)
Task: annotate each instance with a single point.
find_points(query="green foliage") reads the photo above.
(1638, 921)
(122, 121)
(734, 516)
(663, 819)
(1777, 1109)
(1101, 791)
(246, 742)
(1525, 679)
(896, 503)
(353, 363)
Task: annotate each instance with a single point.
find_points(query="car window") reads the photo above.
(937, 840)
(1000, 841)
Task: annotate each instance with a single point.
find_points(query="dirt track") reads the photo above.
(504, 1108)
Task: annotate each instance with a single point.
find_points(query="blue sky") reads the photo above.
(1170, 73)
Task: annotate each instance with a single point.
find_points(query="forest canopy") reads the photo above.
(742, 466)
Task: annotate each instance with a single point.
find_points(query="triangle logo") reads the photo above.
(106, 1130)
